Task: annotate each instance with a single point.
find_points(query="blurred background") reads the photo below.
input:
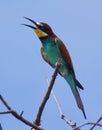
(23, 71)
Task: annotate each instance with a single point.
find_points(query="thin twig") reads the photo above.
(57, 103)
(19, 117)
(88, 123)
(96, 123)
(5, 112)
(46, 97)
(70, 123)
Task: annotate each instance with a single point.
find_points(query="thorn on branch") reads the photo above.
(21, 113)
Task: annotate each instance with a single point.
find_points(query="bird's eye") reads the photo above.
(41, 27)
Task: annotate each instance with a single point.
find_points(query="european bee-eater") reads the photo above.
(52, 49)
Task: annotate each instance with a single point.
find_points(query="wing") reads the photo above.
(45, 57)
(65, 54)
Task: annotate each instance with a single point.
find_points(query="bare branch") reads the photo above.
(19, 117)
(88, 123)
(41, 108)
(70, 123)
(5, 112)
(96, 123)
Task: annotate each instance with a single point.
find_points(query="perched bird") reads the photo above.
(52, 49)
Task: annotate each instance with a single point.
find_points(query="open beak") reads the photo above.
(31, 25)
(36, 28)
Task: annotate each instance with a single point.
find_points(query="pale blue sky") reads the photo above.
(23, 71)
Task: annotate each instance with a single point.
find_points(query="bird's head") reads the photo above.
(41, 29)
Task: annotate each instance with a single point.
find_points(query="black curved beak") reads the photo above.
(30, 25)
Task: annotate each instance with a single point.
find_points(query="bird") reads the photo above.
(52, 50)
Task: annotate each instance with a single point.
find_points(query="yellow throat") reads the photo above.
(40, 33)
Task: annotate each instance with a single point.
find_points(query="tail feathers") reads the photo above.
(78, 98)
(73, 83)
(84, 113)
(79, 103)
